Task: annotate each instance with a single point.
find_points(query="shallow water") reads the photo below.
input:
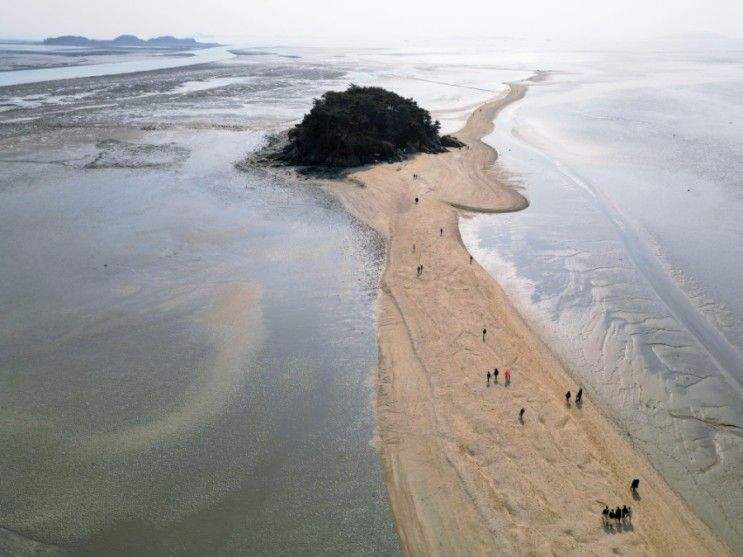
(99, 64)
(124, 382)
(186, 350)
(628, 259)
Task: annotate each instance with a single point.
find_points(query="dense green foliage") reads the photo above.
(362, 125)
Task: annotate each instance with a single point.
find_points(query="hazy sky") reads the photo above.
(371, 19)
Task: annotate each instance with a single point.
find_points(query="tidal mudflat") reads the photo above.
(627, 261)
(186, 350)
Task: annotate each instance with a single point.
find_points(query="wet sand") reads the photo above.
(464, 476)
(235, 320)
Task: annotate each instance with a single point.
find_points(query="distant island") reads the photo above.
(128, 41)
(362, 125)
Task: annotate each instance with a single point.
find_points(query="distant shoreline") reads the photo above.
(128, 41)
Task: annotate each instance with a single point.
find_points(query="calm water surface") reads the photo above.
(186, 350)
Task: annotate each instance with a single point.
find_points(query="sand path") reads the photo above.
(464, 476)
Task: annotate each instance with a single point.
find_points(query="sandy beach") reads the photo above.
(464, 475)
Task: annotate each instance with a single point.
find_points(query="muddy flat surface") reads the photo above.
(185, 349)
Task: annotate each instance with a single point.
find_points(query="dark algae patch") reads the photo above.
(361, 125)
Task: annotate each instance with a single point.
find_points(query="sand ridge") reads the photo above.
(235, 322)
(464, 476)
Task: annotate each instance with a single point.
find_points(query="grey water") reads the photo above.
(187, 350)
(98, 62)
(628, 260)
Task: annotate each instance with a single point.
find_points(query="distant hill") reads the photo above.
(128, 41)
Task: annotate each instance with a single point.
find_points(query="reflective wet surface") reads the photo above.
(186, 350)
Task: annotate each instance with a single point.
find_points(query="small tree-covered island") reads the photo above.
(362, 125)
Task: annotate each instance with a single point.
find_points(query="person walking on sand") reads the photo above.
(470, 260)
(507, 376)
(484, 332)
(605, 515)
(413, 248)
(579, 396)
(567, 398)
(421, 270)
(618, 515)
(634, 485)
(441, 231)
(416, 201)
(521, 415)
(625, 513)
(488, 376)
(495, 375)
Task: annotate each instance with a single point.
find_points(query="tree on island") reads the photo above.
(363, 125)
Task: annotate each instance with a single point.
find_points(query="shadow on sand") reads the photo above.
(613, 528)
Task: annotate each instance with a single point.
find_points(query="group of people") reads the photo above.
(496, 373)
(578, 397)
(623, 515)
(620, 516)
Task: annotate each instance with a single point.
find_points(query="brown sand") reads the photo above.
(464, 476)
